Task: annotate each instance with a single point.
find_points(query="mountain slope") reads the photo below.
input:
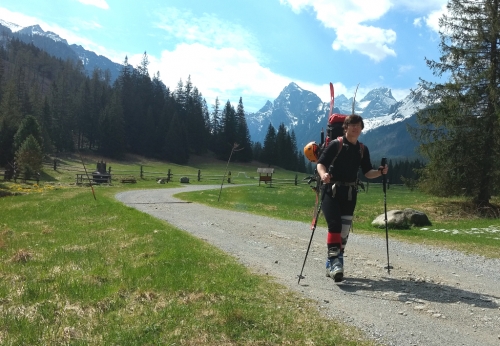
(59, 48)
(303, 112)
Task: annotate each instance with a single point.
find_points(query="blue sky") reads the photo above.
(253, 48)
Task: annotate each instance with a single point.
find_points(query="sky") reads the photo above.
(253, 48)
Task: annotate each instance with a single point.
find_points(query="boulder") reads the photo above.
(184, 180)
(402, 219)
(417, 218)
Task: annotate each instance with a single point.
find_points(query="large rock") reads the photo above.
(402, 219)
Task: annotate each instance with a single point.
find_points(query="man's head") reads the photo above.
(353, 119)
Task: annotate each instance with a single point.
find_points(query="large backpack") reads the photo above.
(334, 130)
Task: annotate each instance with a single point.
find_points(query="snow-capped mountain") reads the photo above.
(303, 112)
(59, 47)
(36, 30)
(11, 26)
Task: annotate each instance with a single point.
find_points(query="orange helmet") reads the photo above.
(311, 151)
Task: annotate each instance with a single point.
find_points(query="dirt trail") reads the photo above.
(431, 297)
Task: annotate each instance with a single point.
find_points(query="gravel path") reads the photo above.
(431, 297)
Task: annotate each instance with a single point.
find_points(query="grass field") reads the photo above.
(79, 271)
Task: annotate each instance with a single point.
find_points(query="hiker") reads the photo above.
(338, 170)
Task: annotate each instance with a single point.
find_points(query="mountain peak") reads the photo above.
(13, 27)
(38, 31)
(378, 93)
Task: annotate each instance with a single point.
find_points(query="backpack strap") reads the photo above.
(340, 141)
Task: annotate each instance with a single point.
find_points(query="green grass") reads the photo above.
(78, 271)
(453, 226)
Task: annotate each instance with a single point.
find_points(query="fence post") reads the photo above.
(169, 175)
(55, 165)
(295, 179)
(229, 177)
(141, 171)
(199, 175)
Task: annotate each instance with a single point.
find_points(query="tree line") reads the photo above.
(66, 110)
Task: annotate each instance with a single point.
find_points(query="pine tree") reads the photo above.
(229, 132)
(459, 130)
(111, 128)
(269, 149)
(29, 127)
(216, 129)
(29, 157)
(243, 135)
(176, 149)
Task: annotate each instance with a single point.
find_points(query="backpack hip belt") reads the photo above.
(342, 183)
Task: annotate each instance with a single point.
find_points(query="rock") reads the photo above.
(402, 219)
(417, 218)
(184, 180)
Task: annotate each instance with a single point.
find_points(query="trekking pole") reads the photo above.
(384, 183)
(313, 228)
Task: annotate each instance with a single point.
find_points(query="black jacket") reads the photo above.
(349, 160)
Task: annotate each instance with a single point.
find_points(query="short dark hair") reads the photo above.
(353, 119)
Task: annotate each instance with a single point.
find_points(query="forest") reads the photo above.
(48, 105)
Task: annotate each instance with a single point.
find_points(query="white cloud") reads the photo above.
(400, 94)
(347, 18)
(432, 20)
(18, 18)
(226, 73)
(206, 29)
(420, 6)
(97, 3)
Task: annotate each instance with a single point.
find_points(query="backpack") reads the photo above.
(334, 130)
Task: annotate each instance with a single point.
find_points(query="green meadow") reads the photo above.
(79, 271)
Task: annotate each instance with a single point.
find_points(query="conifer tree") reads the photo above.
(243, 135)
(215, 126)
(176, 149)
(29, 157)
(229, 132)
(269, 149)
(459, 130)
(111, 128)
(28, 127)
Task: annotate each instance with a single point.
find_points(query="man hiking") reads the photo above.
(338, 168)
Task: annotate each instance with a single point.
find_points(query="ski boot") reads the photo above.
(334, 265)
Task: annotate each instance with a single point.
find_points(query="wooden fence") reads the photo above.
(132, 176)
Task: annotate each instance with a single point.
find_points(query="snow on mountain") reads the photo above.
(37, 30)
(303, 112)
(402, 110)
(13, 27)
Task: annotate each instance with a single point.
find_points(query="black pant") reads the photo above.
(335, 207)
